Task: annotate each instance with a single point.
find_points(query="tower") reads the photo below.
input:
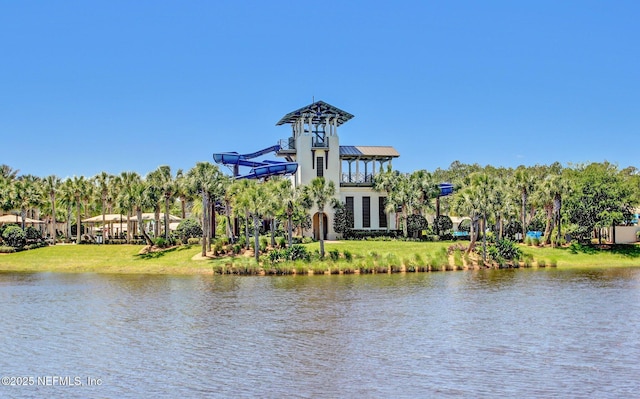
(315, 146)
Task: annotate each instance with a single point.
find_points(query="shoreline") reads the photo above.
(391, 258)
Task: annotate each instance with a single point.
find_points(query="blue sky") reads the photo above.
(91, 86)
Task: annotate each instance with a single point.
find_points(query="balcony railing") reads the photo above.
(356, 178)
(287, 144)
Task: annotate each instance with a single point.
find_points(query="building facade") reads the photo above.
(315, 145)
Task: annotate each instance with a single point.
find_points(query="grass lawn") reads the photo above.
(618, 256)
(184, 260)
(105, 259)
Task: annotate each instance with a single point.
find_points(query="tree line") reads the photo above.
(575, 199)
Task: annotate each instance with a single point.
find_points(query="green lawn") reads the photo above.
(184, 260)
(621, 255)
(105, 259)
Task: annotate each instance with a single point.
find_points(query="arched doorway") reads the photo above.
(316, 226)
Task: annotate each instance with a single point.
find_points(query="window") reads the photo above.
(349, 206)
(366, 211)
(382, 215)
(320, 166)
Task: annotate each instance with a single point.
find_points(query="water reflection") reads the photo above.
(485, 333)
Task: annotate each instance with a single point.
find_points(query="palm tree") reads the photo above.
(79, 186)
(125, 199)
(5, 194)
(466, 203)
(205, 179)
(552, 188)
(400, 194)
(425, 188)
(483, 185)
(67, 199)
(289, 199)
(102, 182)
(50, 185)
(257, 200)
(320, 192)
(275, 195)
(24, 195)
(167, 188)
(140, 200)
(240, 204)
(155, 194)
(182, 191)
(523, 183)
(8, 173)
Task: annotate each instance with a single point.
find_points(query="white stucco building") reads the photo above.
(315, 145)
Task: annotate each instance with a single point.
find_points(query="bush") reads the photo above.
(32, 233)
(7, 250)
(187, 229)
(416, 224)
(160, 242)
(282, 242)
(334, 254)
(297, 252)
(277, 255)
(442, 224)
(13, 236)
(507, 249)
(193, 241)
(348, 256)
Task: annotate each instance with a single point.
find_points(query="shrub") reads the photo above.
(415, 225)
(14, 237)
(32, 233)
(297, 252)
(217, 248)
(7, 250)
(282, 242)
(277, 255)
(193, 241)
(334, 254)
(342, 219)
(507, 249)
(443, 224)
(187, 229)
(263, 244)
(35, 245)
(160, 242)
(307, 240)
(348, 256)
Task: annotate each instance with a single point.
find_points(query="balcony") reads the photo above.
(356, 180)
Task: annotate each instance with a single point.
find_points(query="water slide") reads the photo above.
(259, 169)
(446, 189)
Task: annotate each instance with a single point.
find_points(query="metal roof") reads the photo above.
(319, 110)
(364, 151)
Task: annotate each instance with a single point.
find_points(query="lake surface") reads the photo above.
(506, 333)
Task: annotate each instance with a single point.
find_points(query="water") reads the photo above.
(507, 333)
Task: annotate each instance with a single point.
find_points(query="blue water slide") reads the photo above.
(446, 189)
(259, 169)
